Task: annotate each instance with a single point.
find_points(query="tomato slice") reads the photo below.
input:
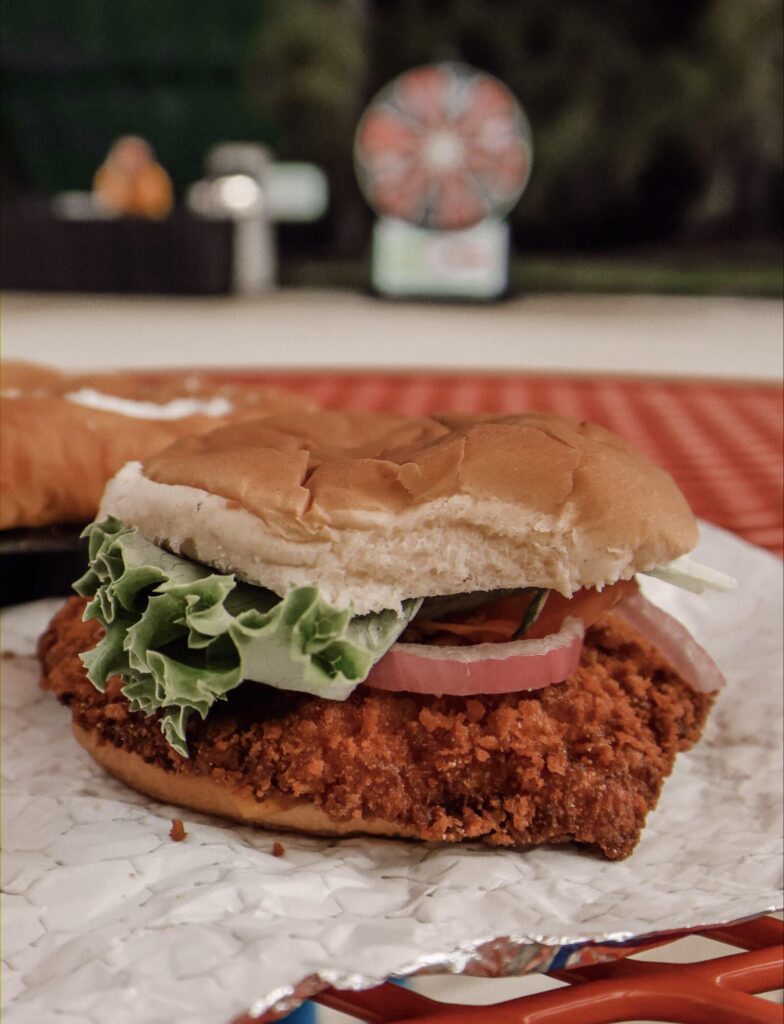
(498, 621)
(588, 605)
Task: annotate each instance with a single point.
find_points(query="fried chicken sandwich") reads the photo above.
(427, 627)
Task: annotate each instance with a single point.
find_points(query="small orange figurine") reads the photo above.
(131, 183)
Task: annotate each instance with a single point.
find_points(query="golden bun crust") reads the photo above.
(18, 378)
(204, 794)
(16, 375)
(57, 454)
(375, 508)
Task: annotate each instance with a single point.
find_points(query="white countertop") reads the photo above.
(662, 335)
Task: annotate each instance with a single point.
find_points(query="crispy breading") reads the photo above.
(582, 760)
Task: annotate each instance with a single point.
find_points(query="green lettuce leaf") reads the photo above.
(182, 636)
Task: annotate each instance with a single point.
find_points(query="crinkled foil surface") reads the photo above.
(106, 918)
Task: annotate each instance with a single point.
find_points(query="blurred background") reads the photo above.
(657, 134)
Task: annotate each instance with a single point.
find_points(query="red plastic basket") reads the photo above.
(723, 990)
(716, 991)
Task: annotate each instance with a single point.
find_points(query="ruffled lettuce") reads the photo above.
(182, 636)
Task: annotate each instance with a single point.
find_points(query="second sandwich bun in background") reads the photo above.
(63, 435)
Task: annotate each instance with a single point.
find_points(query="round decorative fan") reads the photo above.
(443, 146)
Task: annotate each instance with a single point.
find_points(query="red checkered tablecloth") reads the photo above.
(721, 441)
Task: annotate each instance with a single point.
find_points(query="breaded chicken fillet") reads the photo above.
(581, 760)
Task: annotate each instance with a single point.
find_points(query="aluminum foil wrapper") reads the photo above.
(106, 918)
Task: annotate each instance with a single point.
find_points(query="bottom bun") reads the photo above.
(201, 793)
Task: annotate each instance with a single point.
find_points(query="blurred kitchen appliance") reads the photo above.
(244, 185)
(235, 190)
(442, 154)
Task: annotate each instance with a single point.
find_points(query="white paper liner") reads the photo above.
(105, 918)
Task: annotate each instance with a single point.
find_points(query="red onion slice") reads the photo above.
(481, 668)
(673, 641)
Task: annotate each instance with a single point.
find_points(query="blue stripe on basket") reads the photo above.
(305, 1014)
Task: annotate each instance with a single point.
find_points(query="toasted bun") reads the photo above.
(205, 794)
(63, 436)
(377, 508)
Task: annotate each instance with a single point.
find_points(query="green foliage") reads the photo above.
(658, 274)
(79, 73)
(647, 119)
(305, 70)
(650, 120)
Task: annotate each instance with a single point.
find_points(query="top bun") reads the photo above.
(376, 508)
